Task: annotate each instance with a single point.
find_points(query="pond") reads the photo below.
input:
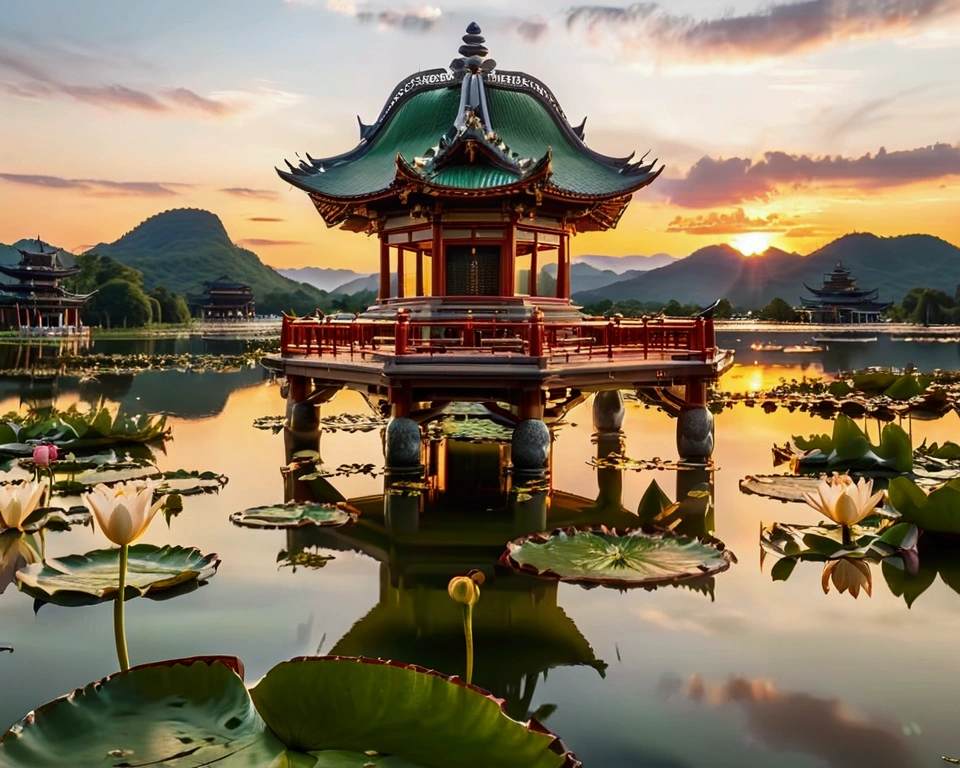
(745, 672)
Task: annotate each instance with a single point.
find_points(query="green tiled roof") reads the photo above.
(526, 125)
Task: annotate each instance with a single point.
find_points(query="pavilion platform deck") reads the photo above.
(488, 356)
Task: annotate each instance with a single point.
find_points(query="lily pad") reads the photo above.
(53, 519)
(93, 577)
(295, 514)
(191, 483)
(604, 556)
(780, 487)
(326, 712)
(109, 475)
(825, 541)
(938, 511)
(849, 448)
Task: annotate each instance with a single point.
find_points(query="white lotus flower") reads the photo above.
(848, 574)
(16, 551)
(124, 512)
(843, 501)
(17, 502)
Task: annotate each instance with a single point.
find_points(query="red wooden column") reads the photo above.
(438, 277)
(563, 269)
(508, 259)
(384, 268)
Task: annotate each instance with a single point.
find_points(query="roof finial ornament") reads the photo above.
(473, 53)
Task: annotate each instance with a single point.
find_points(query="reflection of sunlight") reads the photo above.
(758, 377)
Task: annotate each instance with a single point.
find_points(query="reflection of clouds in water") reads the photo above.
(708, 624)
(798, 722)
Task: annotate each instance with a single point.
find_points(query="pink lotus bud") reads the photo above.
(41, 456)
(54, 452)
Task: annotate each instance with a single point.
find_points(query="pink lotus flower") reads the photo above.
(41, 455)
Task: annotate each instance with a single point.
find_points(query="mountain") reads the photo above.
(892, 264)
(621, 264)
(584, 277)
(9, 255)
(361, 283)
(184, 248)
(321, 277)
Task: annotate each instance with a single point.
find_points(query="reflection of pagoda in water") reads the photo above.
(841, 301)
(38, 300)
(457, 515)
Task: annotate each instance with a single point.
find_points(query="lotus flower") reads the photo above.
(44, 454)
(844, 501)
(466, 589)
(16, 551)
(848, 574)
(124, 512)
(17, 502)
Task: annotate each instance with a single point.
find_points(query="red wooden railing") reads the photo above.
(586, 339)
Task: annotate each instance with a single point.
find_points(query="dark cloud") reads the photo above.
(734, 222)
(35, 83)
(801, 723)
(252, 194)
(253, 242)
(531, 30)
(717, 182)
(95, 187)
(774, 31)
(270, 219)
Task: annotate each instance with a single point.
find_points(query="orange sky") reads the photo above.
(839, 120)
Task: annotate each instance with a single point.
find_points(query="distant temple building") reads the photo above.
(38, 300)
(841, 301)
(223, 299)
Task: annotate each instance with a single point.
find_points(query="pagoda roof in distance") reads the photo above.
(468, 130)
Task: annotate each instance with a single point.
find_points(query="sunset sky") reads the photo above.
(791, 123)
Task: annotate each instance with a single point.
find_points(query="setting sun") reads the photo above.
(751, 243)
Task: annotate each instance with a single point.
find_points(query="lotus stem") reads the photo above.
(468, 635)
(118, 628)
(43, 545)
(845, 533)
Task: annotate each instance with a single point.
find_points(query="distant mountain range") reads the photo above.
(184, 248)
(327, 279)
(621, 264)
(892, 264)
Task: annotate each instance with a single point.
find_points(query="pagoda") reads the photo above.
(223, 299)
(473, 182)
(38, 301)
(841, 301)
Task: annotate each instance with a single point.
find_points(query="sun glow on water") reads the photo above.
(751, 243)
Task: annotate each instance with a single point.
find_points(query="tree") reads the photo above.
(779, 310)
(120, 302)
(724, 310)
(98, 270)
(173, 307)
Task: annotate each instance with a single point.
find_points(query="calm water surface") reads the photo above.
(761, 673)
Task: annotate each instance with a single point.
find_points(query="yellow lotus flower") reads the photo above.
(848, 575)
(843, 501)
(17, 502)
(124, 511)
(466, 589)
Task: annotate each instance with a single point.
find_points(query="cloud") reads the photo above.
(96, 187)
(716, 182)
(253, 242)
(646, 29)
(251, 194)
(417, 18)
(263, 219)
(36, 83)
(531, 29)
(798, 722)
(715, 223)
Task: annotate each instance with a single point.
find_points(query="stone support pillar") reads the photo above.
(608, 411)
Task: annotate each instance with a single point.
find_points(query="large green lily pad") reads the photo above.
(93, 577)
(604, 556)
(825, 541)
(324, 712)
(938, 511)
(849, 448)
(295, 514)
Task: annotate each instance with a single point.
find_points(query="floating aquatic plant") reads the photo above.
(319, 711)
(295, 514)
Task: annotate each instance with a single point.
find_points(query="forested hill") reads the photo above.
(184, 248)
(892, 264)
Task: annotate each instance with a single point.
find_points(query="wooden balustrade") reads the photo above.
(359, 338)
